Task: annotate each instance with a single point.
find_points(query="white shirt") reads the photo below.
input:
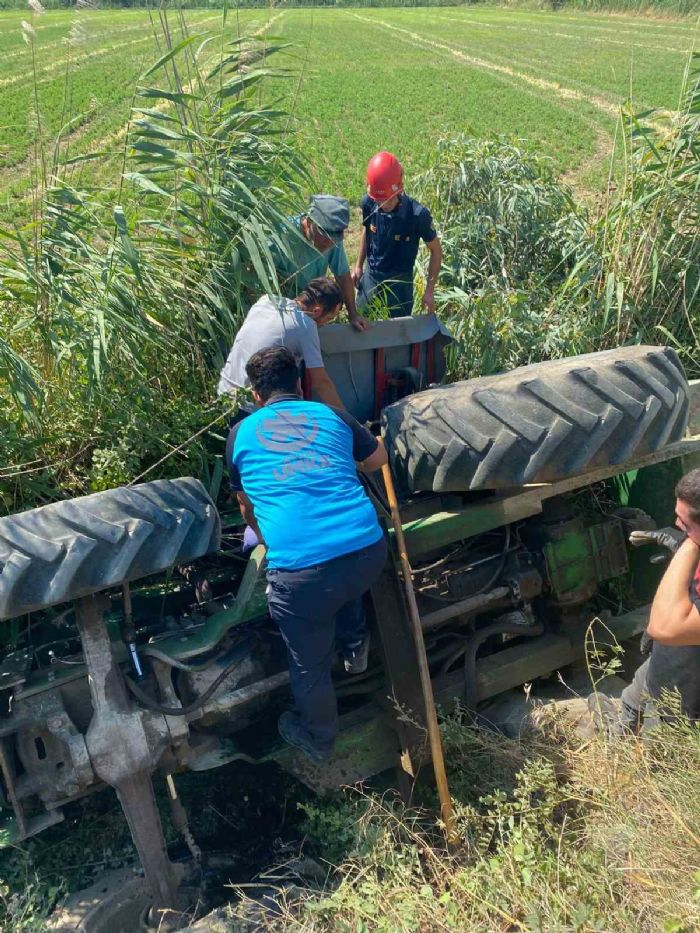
(271, 322)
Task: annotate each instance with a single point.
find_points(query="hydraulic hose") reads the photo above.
(151, 651)
(476, 641)
(152, 704)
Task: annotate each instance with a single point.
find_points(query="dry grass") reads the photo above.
(556, 834)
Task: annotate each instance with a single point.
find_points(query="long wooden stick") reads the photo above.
(431, 716)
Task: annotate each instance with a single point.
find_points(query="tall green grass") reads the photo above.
(116, 316)
(530, 274)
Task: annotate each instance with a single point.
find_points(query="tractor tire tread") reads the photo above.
(539, 423)
(65, 550)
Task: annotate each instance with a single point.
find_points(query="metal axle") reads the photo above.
(124, 744)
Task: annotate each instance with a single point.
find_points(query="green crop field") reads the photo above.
(367, 79)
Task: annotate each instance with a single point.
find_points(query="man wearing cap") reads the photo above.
(318, 248)
(393, 227)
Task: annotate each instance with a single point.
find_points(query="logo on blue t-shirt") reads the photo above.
(286, 433)
(295, 461)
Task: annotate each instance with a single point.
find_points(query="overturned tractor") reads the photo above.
(148, 649)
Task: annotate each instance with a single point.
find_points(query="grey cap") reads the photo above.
(330, 214)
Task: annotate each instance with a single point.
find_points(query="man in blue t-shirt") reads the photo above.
(393, 226)
(292, 465)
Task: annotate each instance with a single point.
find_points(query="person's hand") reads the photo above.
(429, 301)
(356, 276)
(358, 322)
(670, 538)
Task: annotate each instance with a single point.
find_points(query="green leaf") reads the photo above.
(175, 97)
(176, 49)
(145, 183)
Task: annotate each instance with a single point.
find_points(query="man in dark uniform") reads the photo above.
(293, 466)
(393, 226)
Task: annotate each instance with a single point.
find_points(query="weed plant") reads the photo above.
(555, 834)
(117, 316)
(529, 274)
(115, 319)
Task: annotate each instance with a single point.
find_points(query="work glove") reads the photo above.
(670, 538)
(250, 540)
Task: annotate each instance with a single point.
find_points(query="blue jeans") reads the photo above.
(396, 295)
(319, 609)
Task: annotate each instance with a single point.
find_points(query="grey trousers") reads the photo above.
(635, 698)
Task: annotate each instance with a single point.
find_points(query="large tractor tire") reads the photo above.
(539, 423)
(69, 549)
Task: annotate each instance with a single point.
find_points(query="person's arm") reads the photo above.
(248, 513)
(323, 386)
(434, 265)
(361, 256)
(348, 290)
(375, 460)
(674, 620)
(368, 451)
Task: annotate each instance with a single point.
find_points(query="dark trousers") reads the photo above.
(397, 296)
(318, 609)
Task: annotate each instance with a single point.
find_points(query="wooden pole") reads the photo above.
(431, 716)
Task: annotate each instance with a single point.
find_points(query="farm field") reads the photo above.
(368, 79)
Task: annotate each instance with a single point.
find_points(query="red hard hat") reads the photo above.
(384, 176)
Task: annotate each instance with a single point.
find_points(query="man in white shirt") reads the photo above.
(290, 323)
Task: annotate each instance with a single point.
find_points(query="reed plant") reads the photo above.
(530, 273)
(116, 316)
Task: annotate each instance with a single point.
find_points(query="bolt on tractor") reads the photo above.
(147, 650)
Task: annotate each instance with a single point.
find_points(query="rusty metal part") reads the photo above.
(224, 704)
(248, 671)
(124, 746)
(467, 607)
(52, 751)
(401, 668)
(178, 814)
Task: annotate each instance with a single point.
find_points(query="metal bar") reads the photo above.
(431, 714)
(241, 696)
(121, 753)
(465, 607)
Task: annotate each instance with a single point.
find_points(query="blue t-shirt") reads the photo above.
(393, 238)
(295, 461)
